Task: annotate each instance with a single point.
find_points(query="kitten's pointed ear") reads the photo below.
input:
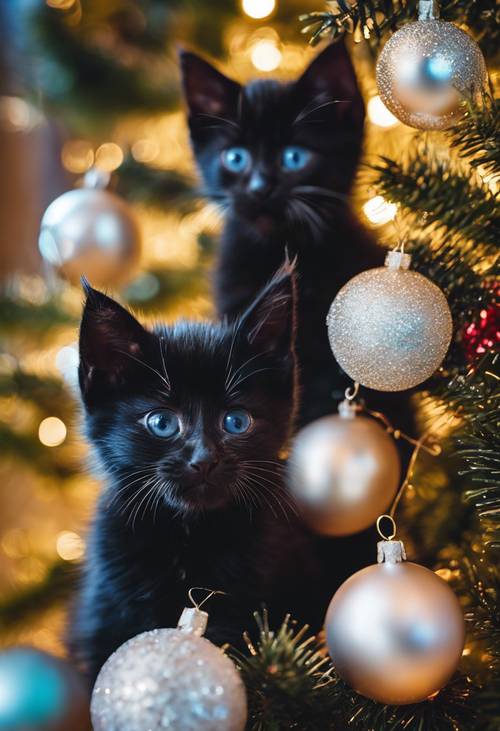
(269, 322)
(207, 91)
(330, 76)
(112, 344)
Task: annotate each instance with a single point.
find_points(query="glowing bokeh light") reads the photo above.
(379, 114)
(258, 9)
(108, 156)
(379, 211)
(52, 431)
(265, 55)
(69, 545)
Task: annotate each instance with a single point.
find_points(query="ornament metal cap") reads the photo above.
(397, 260)
(428, 10)
(347, 409)
(193, 621)
(391, 552)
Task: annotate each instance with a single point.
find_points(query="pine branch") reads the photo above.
(57, 586)
(167, 189)
(28, 450)
(477, 136)
(452, 264)
(442, 193)
(48, 394)
(451, 709)
(372, 19)
(476, 398)
(38, 320)
(286, 677)
(292, 684)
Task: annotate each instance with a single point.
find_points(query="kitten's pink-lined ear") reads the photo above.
(331, 77)
(112, 343)
(207, 91)
(269, 322)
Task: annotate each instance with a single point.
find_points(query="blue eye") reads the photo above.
(295, 158)
(163, 423)
(237, 421)
(236, 159)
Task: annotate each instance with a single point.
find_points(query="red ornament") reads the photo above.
(483, 335)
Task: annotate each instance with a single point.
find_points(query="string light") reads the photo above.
(379, 114)
(52, 431)
(67, 363)
(258, 9)
(379, 211)
(265, 55)
(69, 545)
(77, 156)
(108, 156)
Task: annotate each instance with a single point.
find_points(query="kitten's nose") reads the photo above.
(204, 465)
(259, 185)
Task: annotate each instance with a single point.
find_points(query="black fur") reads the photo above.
(307, 212)
(162, 526)
(269, 210)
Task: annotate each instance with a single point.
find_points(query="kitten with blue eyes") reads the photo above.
(186, 424)
(280, 159)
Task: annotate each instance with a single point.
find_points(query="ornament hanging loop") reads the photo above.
(352, 391)
(381, 533)
(210, 594)
(428, 10)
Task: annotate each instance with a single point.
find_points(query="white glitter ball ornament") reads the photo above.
(169, 679)
(390, 328)
(90, 232)
(343, 472)
(395, 630)
(427, 69)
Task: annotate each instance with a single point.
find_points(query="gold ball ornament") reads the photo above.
(170, 679)
(343, 472)
(90, 232)
(395, 630)
(427, 69)
(390, 328)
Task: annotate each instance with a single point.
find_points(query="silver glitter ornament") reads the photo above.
(169, 679)
(390, 328)
(427, 69)
(343, 472)
(90, 232)
(395, 630)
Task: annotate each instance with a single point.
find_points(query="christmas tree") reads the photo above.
(101, 80)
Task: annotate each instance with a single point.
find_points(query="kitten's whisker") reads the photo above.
(241, 380)
(229, 122)
(255, 495)
(283, 496)
(124, 488)
(146, 365)
(310, 215)
(167, 377)
(135, 497)
(319, 191)
(243, 365)
(267, 492)
(305, 112)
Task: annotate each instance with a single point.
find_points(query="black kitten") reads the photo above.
(281, 159)
(187, 423)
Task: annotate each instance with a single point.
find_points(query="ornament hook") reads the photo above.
(381, 532)
(211, 593)
(352, 391)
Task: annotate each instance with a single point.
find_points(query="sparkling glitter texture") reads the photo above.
(168, 679)
(395, 630)
(426, 69)
(389, 329)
